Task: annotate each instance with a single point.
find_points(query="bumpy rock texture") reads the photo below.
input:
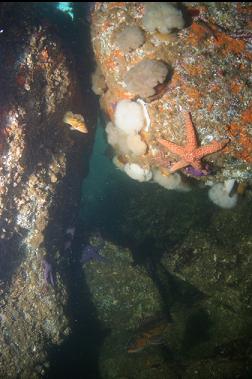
(187, 261)
(209, 62)
(41, 170)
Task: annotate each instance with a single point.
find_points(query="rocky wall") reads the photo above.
(207, 53)
(43, 75)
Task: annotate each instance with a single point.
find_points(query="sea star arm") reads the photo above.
(178, 165)
(191, 137)
(213, 147)
(176, 149)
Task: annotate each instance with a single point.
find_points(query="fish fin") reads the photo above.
(159, 340)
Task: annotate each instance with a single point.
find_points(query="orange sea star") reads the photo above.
(191, 153)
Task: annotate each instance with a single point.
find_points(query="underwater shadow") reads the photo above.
(11, 256)
(197, 330)
(148, 250)
(78, 356)
(172, 290)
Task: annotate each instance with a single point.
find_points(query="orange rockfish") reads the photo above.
(149, 334)
(76, 121)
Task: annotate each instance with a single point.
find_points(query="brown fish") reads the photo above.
(76, 121)
(149, 334)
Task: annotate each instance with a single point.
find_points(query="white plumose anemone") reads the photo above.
(219, 194)
(162, 16)
(137, 172)
(129, 116)
(125, 143)
(170, 182)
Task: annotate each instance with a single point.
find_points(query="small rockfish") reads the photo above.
(76, 121)
(149, 334)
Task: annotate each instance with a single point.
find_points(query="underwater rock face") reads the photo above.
(209, 75)
(124, 295)
(202, 278)
(41, 170)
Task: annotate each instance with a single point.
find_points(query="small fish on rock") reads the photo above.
(150, 333)
(76, 121)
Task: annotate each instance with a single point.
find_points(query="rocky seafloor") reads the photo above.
(195, 269)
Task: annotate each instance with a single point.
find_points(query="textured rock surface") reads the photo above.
(176, 253)
(193, 265)
(42, 165)
(210, 64)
